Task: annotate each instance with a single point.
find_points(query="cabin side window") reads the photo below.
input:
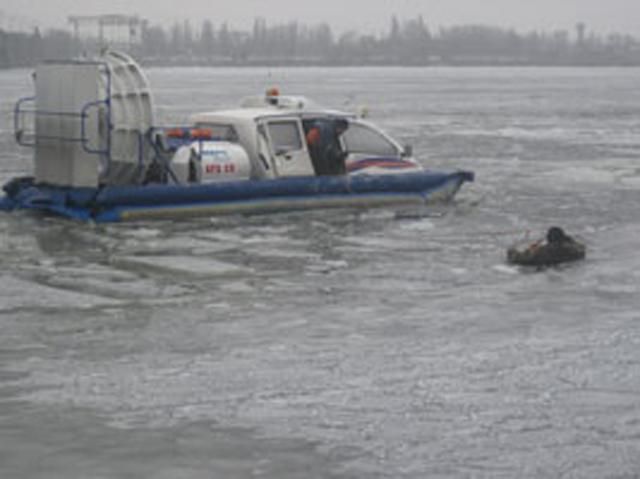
(285, 136)
(221, 131)
(363, 139)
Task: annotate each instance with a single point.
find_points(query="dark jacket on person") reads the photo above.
(323, 141)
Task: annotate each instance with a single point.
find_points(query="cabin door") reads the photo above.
(287, 147)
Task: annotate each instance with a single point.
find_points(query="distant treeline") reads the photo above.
(406, 43)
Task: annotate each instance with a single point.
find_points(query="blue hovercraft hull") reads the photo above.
(125, 203)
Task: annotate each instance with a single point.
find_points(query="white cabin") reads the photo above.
(272, 129)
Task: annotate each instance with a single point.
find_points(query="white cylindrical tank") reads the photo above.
(211, 161)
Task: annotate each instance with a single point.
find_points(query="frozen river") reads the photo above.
(344, 344)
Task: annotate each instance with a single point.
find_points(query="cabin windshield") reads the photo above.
(361, 138)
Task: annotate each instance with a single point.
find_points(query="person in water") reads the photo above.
(325, 148)
(557, 236)
(558, 248)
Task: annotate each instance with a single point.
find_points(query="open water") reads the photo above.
(345, 344)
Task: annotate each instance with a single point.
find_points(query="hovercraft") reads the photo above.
(558, 248)
(99, 157)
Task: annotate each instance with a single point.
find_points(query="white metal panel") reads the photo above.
(62, 90)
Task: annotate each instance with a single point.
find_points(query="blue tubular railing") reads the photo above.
(140, 156)
(83, 130)
(107, 103)
(17, 114)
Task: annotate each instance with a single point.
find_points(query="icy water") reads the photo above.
(345, 344)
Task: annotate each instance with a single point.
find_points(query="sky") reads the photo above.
(366, 16)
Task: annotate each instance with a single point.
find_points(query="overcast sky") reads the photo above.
(603, 16)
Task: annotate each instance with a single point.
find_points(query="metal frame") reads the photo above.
(159, 154)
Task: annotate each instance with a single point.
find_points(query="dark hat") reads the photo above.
(556, 235)
(341, 124)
